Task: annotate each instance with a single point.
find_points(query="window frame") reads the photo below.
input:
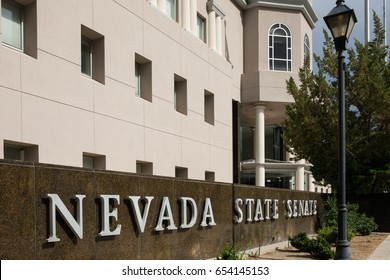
(96, 54)
(181, 172)
(306, 46)
(288, 47)
(201, 36)
(180, 95)
(85, 41)
(173, 14)
(21, 12)
(209, 107)
(143, 77)
(98, 161)
(138, 78)
(144, 167)
(20, 151)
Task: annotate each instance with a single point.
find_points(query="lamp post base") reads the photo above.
(342, 250)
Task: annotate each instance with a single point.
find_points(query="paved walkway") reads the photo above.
(382, 252)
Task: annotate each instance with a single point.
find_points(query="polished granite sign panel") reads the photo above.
(55, 212)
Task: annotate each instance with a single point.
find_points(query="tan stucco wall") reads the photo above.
(48, 102)
(258, 83)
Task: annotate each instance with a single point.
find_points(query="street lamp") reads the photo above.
(341, 21)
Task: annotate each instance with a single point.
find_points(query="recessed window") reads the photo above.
(144, 167)
(306, 47)
(86, 56)
(209, 107)
(280, 50)
(137, 77)
(180, 94)
(171, 9)
(181, 172)
(20, 151)
(143, 78)
(12, 24)
(92, 54)
(210, 176)
(19, 26)
(94, 161)
(201, 28)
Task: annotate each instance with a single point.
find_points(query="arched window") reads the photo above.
(306, 46)
(279, 48)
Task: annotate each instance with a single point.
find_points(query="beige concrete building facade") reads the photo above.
(159, 87)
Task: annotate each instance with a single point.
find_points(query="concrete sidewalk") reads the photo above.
(382, 252)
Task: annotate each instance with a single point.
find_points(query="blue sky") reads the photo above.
(323, 7)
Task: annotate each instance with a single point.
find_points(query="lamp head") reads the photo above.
(341, 20)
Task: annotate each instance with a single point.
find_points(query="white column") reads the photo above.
(219, 33)
(186, 14)
(300, 176)
(153, 2)
(212, 30)
(193, 15)
(260, 145)
(162, 4)
(367, 21)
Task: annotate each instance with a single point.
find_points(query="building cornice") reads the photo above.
(212, 6)
(303, 6)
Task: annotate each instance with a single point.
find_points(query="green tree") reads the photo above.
(311, 126)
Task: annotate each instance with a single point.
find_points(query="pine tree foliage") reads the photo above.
(311, 126)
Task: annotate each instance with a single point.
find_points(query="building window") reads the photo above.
(306, 46)
(94, 161)
(12, 24)
(208, 107)
(92, 54)
(181, 172)
(210, 176)
(19, 26)
(20, 151)
(280, 50)
(144, 167)
(180, 95)
(201, 27)
(137, 76)
(274, 145)
(171, 9)
(143, 78)
(86, 56)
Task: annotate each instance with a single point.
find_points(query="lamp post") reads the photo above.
(341, 21)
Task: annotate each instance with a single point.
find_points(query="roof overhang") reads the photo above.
(303, 6)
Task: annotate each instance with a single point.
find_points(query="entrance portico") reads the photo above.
(268, 161)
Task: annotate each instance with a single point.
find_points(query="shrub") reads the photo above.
(357, 222)
(231, 251)
(329, 216)
(330, 234)
(321, 249)
(365, 225)
(300, 241)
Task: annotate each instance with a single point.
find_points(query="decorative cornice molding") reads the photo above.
(303, 6)
(212, 6)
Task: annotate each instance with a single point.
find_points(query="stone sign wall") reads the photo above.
(56, 212)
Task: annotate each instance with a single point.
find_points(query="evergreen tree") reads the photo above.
(311, 126)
